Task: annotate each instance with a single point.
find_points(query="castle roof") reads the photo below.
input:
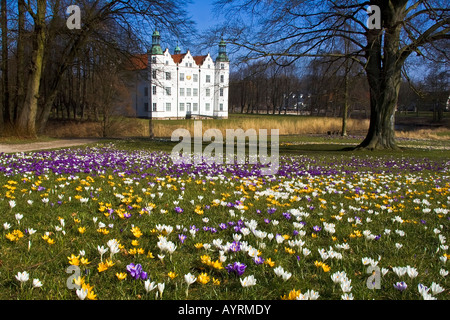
(137, 62)
(177, 58)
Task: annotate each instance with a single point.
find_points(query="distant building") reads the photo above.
(180, 84)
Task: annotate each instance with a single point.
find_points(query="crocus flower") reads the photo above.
(400, 286)
(182, 237)
(149, 286)
(22, 276)
(82, 293)
(178, 210)
(37, 283)
(189, 278)
(235, 246)
(248, 281)
(136, 271)
(236, 267)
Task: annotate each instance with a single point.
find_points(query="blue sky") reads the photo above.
(202, 13)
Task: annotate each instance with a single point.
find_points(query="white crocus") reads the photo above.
(190, 279)
(161, 287)
(23, 276)
(149, 286)
(82, 293)
(102, 250)
(37, 283)
(412, 272)
(248, 281)
(436, 288)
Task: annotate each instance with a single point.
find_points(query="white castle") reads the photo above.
(181, 85)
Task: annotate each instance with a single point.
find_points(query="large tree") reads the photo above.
(54, 47)
(382, 40)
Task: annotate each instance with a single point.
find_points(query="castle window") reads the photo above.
(188, 92)
(222, 78)
(181, 76)
(207, 106)
(168, 76)
(146, 91)
(154, 74)
(154, 106)
(154, 90)
(195, 92)
(195, 77)
(221, 107)
(181, 92)
(208, 92)
(195, 107)
(181, 106)
(146, 106)
(168, 106)
(208, 78)
(153, 59)
(168, 91)
(222, 66)
(221, 92)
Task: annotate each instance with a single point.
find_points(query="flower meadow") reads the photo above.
(100, 223)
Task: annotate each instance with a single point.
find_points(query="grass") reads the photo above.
(126, 186)
(131, 127)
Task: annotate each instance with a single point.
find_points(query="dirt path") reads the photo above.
(34, 146)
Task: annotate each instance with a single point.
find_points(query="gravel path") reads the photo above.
(34, 146)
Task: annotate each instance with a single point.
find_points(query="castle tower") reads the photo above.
(222, 71)
(156, 43)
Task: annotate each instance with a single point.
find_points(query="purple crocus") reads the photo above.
(258, 260)
(400, 286)
(317, 228)
(236, 267)
(182, 237)
(178, 210)
(127, 215)
(235, 246)
(136, 271)
(223, 226)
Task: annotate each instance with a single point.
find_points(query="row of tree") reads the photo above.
(360, 59)
(322, 88)
(49, 66)
(381, 37)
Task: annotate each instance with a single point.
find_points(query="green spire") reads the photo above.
(156, 46)
(177, 49)
(222, 52)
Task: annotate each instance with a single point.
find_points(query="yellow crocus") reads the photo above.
(74, 260)
(203, 278)
(121, 275)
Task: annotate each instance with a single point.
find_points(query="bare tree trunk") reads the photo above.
(20, 91)
(345, 108)
(27, 120)
(4, 67)
(384, 77)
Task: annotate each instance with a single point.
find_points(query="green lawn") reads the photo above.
(312, 230)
